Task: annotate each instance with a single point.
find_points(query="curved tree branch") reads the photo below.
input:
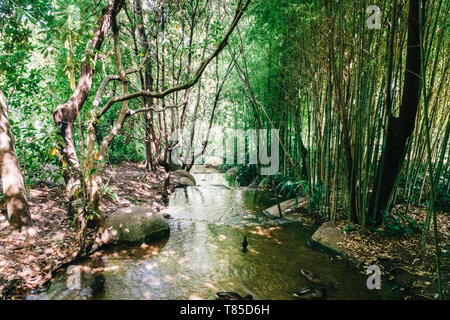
(159, 95)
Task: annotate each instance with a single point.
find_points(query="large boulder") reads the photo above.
(213, 161)
(137, 224)
(186, 182)
(328, 237)
(183, 178)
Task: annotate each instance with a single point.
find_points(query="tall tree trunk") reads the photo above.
(13, 186)
(146, 84)
(401, 127)
(66, 113)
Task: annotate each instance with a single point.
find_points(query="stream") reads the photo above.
(203, 254)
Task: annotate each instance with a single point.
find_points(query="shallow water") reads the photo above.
(203, 255)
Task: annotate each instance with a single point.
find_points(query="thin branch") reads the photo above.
(159, 95)
(108, 78)
(133, 112)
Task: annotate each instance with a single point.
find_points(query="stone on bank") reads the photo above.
(286, 207)
(328, 237)
(182, 178)
(137, 224)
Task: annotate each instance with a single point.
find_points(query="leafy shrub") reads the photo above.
(442, 199)
(349, 228)
(399, 226)
(247, 174)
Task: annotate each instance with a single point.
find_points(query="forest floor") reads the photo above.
(29, 259)
(400, 257)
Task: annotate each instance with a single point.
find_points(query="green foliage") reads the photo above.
(280, 46)
(108, 192)
(123, 150)
(399, 226)
(442, 198)
(315, 195)
(66, 35)
(349, 228)
(289, 187)
(247, 174)
(17, 19)
(36, 138)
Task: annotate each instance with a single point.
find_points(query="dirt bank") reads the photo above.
(28, 260)
(402, 263)
(403, 266)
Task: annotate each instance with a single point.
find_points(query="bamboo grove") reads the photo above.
(336, 121)
(363, 113)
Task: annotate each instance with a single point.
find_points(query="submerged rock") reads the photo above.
(137, 224)
(309, 293)
(311, 276)
(232, 296)
(285, 206)
(328, 237)
(314, 278)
